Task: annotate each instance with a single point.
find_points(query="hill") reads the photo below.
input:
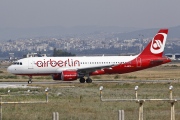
(59, 31)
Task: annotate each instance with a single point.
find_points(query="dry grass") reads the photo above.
(169, 71)
(164, 72)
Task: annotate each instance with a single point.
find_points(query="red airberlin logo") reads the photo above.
(59, 63)
(158, 43)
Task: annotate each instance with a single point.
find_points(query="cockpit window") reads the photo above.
(17, 63)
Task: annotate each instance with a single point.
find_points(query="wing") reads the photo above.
(86, 70)
(92, 69)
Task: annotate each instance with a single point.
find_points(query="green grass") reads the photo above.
(8, 77)
(82, 102)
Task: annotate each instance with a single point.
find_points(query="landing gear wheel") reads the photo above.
(89, 80)
(30, 80)
(82, 80)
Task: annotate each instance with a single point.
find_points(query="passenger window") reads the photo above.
(20, 63)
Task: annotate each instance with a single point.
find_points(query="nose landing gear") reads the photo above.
(30, 80)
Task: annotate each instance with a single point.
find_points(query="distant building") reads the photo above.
(11, 56)
(173, 56)
(34, 55)
(177, 56)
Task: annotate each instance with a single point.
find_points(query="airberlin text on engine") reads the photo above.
(58, 63)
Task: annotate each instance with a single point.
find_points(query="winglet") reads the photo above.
(157, 44)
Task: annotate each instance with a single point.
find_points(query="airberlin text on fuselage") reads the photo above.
(58, 63)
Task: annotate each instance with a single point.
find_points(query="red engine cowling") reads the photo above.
(69, 75)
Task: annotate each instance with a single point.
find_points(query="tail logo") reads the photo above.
(158, 43)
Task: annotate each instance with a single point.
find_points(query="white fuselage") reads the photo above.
(51, 65)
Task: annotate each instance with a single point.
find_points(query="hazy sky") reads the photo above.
(68, 13)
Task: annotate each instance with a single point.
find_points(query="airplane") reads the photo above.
(73, 68)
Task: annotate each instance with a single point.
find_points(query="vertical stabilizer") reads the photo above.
(157, 44)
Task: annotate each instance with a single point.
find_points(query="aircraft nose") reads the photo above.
(9, 69)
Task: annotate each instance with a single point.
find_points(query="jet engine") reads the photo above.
(69, 75)
(66, 76)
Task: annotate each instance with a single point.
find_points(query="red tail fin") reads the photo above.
(157, 44)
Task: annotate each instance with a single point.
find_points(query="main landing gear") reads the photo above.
(30, 80)
(88, 80)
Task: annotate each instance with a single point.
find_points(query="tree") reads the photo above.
(62, 53)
